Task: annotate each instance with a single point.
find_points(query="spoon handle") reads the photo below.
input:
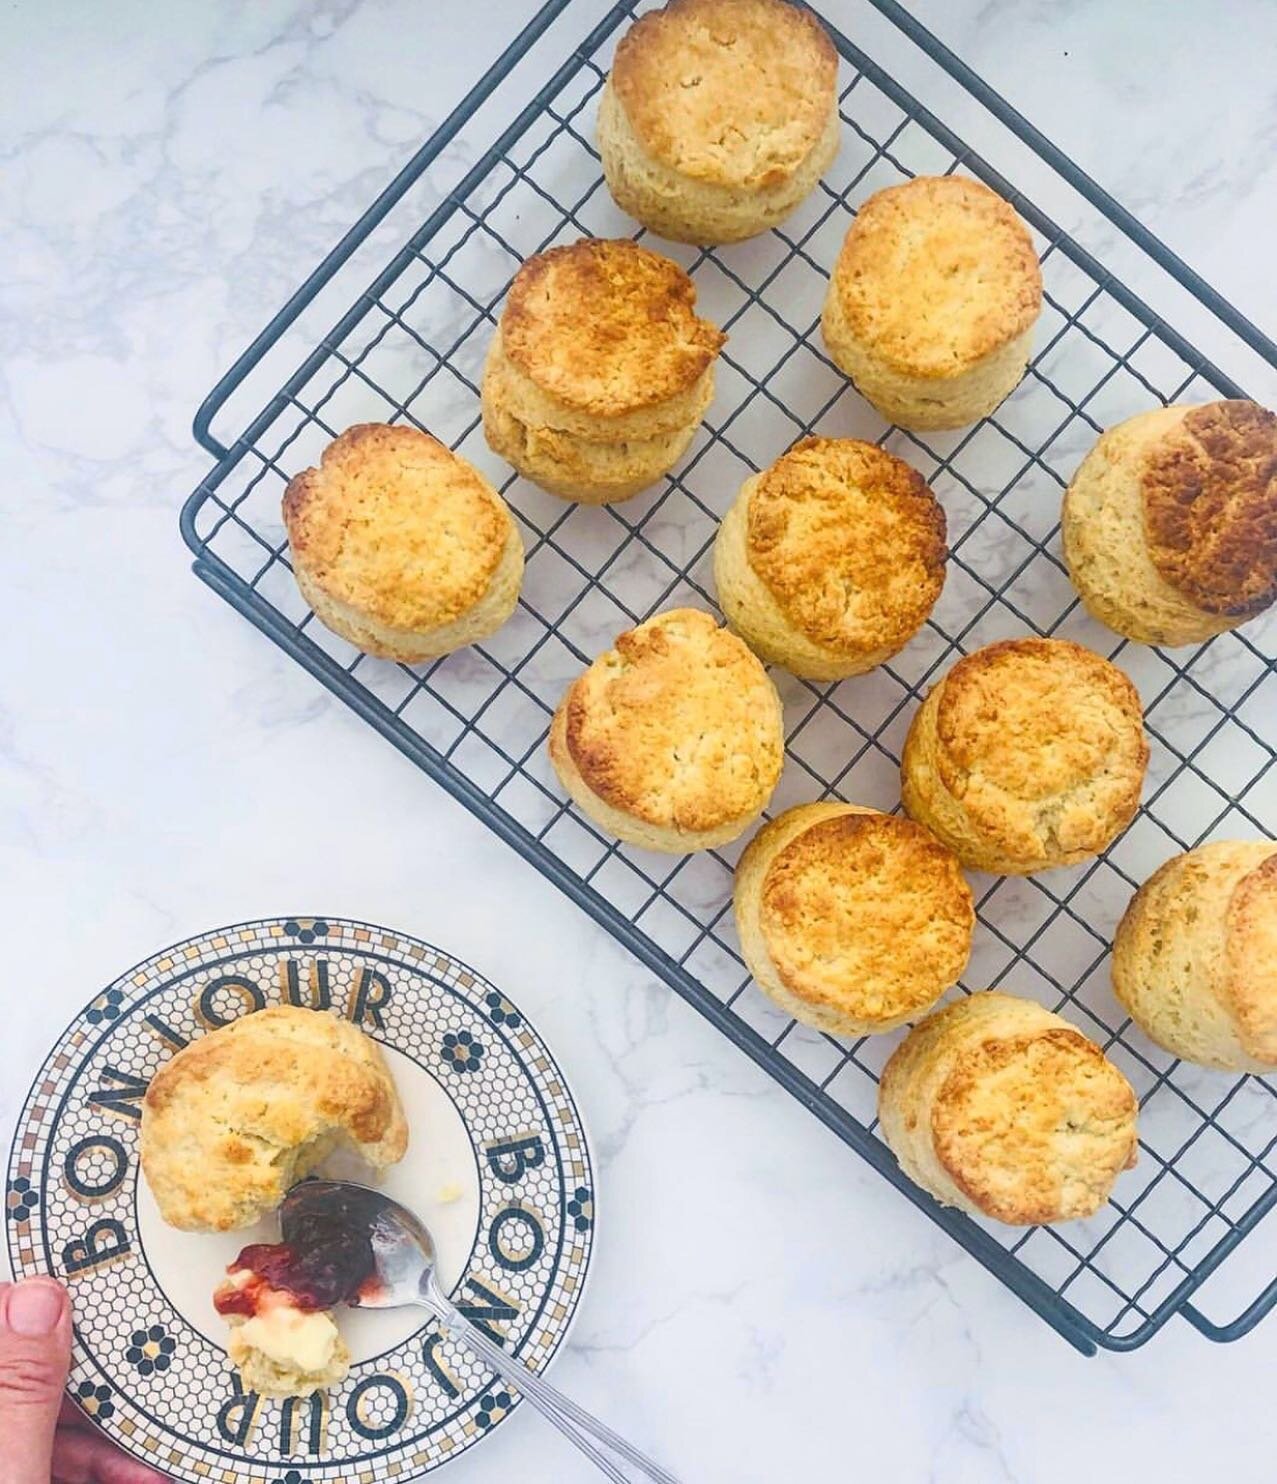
(572, 1420)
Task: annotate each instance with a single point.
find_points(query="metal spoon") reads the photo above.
(391, 1256)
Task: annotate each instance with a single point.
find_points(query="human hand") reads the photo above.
(45, 1439)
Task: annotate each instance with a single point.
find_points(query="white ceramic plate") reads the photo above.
(498, 1166)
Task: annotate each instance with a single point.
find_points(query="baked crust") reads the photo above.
(607, 327)
(936, 275)
(397, 528)
(1001, 1108)
(850, 541)
(236, 1117)
(1195, 956)
(1250, 959)
(676, 728)
(853, 920)
(1029, 753)
(729, 92)
(1210, 508)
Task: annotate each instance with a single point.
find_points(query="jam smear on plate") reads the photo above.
(323, 1263)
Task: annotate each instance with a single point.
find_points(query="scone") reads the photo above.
(1170, 523)
(830, 561)
(719, 117)
(932, 302)
(401, 546)
(1027, 754)
(1195, 957)
(1001, 1108)
(600, 370)
(851, 920)
(281, 1344)
(238, 1116)
(672, 740)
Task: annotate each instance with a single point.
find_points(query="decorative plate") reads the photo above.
(498, 1166)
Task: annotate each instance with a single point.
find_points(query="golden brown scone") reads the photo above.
(1170, 523)
(401, 546)
(240, 1115)
(592, 471)
(719, 117)
(1029, 753)
(1001, 1108)
(672, 740)
(932, 302)
(851, 920)
(600, 370)
(1195, 957)
(830, 561)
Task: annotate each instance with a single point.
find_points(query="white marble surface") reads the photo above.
(764, 1307)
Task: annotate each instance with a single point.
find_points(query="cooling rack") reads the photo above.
(410, 348)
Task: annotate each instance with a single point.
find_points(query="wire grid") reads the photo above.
(414, 352)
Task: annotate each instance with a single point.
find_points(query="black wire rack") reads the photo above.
(410, 348)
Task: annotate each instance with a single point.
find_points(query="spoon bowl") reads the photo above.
(377, 1254)
(392, 1254)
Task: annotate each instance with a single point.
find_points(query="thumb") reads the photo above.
(35, 1355)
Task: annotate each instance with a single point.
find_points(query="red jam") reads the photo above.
(323, 1264)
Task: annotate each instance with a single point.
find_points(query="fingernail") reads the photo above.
(35, 1307)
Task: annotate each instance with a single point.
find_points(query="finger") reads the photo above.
(87, 1458)
(35, 1354)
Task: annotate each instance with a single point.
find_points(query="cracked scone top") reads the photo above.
(238, 1116)
(600, 370)
(719, 116)
(1001, 1108)
(831, 559)
(1028, 753)
(673, 739)
(932, 301)
(734, 92)
(400, 545)
(608, 331)
(851, 920)
(1170, 523)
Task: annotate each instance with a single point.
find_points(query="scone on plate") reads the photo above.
(1170, 523)
(281, 1344)
(600, 370)
(719, 117)
(830, 560)
(851, 920)
(932, 302)
(1195, 957)
(1001, 1108)
(401, 546)
(240, 1115)
(673, 739)
(1027, 754)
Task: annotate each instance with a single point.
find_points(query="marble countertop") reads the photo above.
(763, 1306)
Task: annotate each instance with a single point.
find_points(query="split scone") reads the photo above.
(1170, 523)
(830, 560)
(1028, 753)
(401, 546)
(600, 370)
(1195, 957)
(851, 920)
(719, 117)
(932, 302)
(283, 1342)
(674, 738)
(1001, 1108)
(240, 1115)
